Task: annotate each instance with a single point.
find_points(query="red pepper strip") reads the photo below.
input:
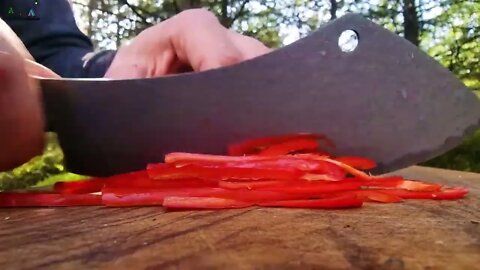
(400, 183)
(186, 158)
(326, 171)
(316, 188)
(48, 199)
(314, 166)
(328, 203)
(149, 196)
(138, 197)
(203, 203)
(387, 181)
(138, 179)
(190, 158)
(358, 162)
(373, 195)
(142, 180)
(348, 169)
(165, 171)
(321, 177)
(80, 187)
(305, 144)
(378, 196)
(307, 163)
(445, 194)
(253, 146)
(419, 186)
(251, 184)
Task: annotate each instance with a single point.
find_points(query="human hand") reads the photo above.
(192, 40)
(21, 120)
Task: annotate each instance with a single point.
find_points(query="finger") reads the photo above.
(133, 62)
(21, 119)
(37, 70)
(201, 41)
(9, 41)
(249, 47)
(124, 72)
(124, 66)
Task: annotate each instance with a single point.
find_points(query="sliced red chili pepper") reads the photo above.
(221, 203)
(142, 180)
(164, 171)
(378, 196)
(48, 199)
(316, 188)
(319, 177)
(358, 162)
(328, 203)
(419, 186)
(283, 162)
(203, 203)
(149, 196)
(307, 163)
(284, 148)
(191, 158)
(348, 169)
(251, 184)
(400, 183)
(138, 178)
(80, 187)
(255, 145)
(445, 194)
(373, 195)
(386, 181)
(331, 171)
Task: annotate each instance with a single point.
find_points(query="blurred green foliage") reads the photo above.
(465, 157)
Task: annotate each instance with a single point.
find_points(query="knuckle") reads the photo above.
(230, 58)
(195, 16)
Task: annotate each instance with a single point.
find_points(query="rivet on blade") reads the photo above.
(348, 41)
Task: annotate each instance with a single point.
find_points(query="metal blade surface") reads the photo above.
(385, 100)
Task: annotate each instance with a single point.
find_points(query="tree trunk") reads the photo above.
(91, 7)
(333, 9)
(224, 19)
(410, 22)
(188, 4)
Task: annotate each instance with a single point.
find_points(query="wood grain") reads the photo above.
(409, 235)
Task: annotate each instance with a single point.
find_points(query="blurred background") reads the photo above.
(448, 30)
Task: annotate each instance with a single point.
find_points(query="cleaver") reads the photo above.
(372, 92)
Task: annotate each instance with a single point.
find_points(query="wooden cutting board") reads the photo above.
(409, 235)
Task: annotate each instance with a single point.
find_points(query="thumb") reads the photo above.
(35, 69)
(21, 119)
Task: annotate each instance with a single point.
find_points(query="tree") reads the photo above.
(411, 26)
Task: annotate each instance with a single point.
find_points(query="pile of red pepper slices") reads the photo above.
(281, 171)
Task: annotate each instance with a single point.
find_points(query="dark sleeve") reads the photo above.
(48, 30)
